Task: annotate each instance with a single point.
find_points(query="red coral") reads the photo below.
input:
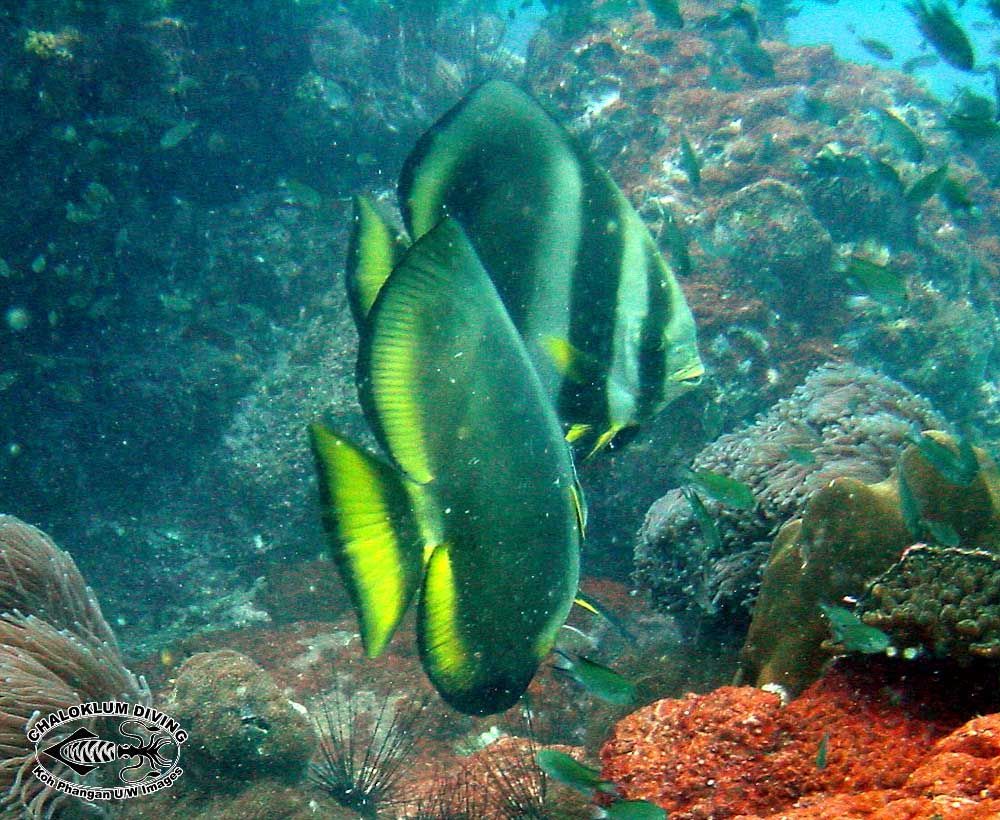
(737, 753)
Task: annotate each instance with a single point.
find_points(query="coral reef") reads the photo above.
(769, 228)
(56, 650)
(852, 745)
(242, 727)
(761, 114)
(844, 420)
(851, 538)
(943, 600)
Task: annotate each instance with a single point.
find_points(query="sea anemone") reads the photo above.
(843, 421)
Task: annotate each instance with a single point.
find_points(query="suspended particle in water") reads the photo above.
(17, 318)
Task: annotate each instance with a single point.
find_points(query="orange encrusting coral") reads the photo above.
(738, 753)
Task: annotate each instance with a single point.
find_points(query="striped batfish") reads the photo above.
(478, 514)
(601, 313)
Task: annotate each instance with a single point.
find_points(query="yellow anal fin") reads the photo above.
(605, 439)
(447, 660)
(375, 538)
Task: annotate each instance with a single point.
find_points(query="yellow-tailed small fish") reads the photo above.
(478, 514)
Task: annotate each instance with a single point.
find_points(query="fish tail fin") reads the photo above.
(376, 538)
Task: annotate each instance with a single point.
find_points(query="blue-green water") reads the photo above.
(335, 330)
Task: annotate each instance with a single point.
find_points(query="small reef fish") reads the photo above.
(957, 467)
(725, 490)
(973, 116)
(800, 455)
(742, 15)
(632, 810)
(823, 751)
(709, 531)
(938, 25)
(900, 135)
(852, 633)
(881, 281)
(174, 136)
(570, 772)
(479, 509)
(955, 195)
(918, 62)
(928, 185)
(603, 317)
(690, 163)
(599, 680)
(876, 48)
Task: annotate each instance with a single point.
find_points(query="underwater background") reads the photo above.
(795, 563)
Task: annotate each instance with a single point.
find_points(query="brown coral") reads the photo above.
(852, 422)
(242, 727)
(848, 536)
(56, 650)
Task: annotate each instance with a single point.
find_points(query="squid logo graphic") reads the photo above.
(147, 761)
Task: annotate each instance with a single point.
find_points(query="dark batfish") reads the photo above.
(479, 510)
(600, 311)
(939, 26)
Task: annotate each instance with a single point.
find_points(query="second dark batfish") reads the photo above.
(600, 311)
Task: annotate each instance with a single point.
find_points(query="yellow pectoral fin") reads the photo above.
(580, 506)
(605, 439)
(375, 538)
(571, 362)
